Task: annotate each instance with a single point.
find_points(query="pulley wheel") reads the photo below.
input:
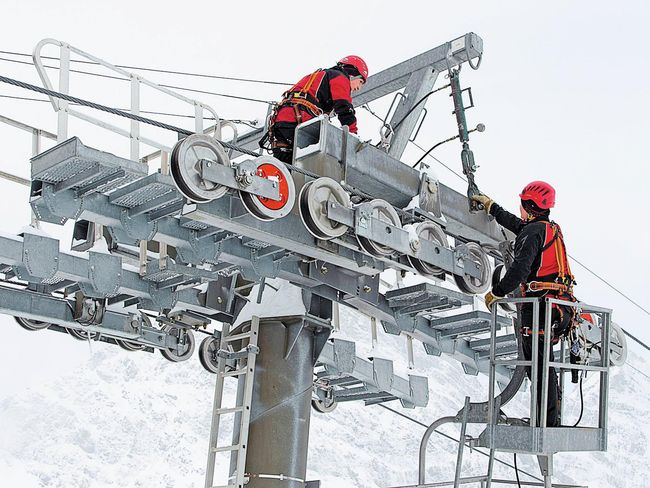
(32, 325)
(323, 406)
(265, 208)
(468, 284)
(185, 350)
(129, 346)
(186, 160)
(429, 231)
(81, 334)
(208, 353)
(315, 197)
(497, 275)
(617, 346)
(383, 211)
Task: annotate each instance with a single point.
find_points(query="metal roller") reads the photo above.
(81, 334)
(186, 159)
(617, 346)
(32, 325)
(590, 332)
(429, 231)
(315, 197)
(208, 353)
(380, 210)
(467, 284)
(323, 406)
(130, 346)
(185, 349)
(265, 208)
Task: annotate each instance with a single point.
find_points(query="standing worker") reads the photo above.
(541, 268)
(323, 91)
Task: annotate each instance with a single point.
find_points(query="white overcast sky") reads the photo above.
(562, 91)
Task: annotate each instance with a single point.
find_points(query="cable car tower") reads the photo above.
(188, 246)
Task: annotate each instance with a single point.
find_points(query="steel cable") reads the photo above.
(242, 150)
(174, 87)
(114, 111)
(158, 70)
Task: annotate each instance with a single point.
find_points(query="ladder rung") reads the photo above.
(236, 372)
(225, 448)
(236, 337)
(229, 410)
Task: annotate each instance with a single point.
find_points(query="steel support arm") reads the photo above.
(449, 54)
(42, 256)
(36, 306)
(409, 109)
(417, 74)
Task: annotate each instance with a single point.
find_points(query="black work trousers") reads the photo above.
(552, 408)
(284, 133)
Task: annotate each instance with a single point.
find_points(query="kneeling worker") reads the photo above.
(323, 91)
(541, 268)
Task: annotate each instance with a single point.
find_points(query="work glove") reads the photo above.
(483, 200)
(490, 298)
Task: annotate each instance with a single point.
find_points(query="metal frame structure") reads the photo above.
(188, 248)
(524, 436)
(545, 441)
(63, 109)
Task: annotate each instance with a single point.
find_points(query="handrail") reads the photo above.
(62, 108)
(602, 367)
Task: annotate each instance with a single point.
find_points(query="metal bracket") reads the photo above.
(240, 177)
(430, 195)
(239, 354)
(40, 256)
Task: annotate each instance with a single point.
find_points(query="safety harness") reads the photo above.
(299, 100)
(554, 262)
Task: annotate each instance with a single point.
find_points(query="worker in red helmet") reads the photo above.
(541, 269)
(323, 91)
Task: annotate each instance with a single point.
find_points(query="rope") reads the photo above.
(174, 87)
(156, 70)
(114, 111)
(249, 123)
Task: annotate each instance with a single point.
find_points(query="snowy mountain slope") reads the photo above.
(136, 420)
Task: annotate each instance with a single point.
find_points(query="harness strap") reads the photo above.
(547, 285)
(296, 100)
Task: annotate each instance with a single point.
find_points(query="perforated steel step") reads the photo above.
(425, 297)
(147, 194)
(505, 345)
(70, 164)
(353, 378)
(467, 324)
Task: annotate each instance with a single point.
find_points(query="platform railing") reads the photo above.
(482, 482)
(63, 109)
(601, 366)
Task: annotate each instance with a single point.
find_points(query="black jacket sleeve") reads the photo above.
(506, 219)
(527, 247)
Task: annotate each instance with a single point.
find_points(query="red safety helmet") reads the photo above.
(358, 63)
(540, 193)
